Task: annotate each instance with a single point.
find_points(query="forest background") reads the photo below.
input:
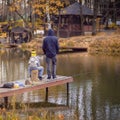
(39, 14)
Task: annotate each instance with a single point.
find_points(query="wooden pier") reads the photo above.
(45, 83)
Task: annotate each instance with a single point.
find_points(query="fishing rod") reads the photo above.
(82, 73)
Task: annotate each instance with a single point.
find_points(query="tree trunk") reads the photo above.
(26, 24)
(59, 22)
(81, 19)
(94, 17)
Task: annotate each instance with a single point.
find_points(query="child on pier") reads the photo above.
(34, 64)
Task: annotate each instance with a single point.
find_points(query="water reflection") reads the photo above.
(13, 64)
(94, 94)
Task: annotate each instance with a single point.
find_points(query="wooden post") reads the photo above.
(6, 102)
(67, 94)
(46, 97)
(34, 75)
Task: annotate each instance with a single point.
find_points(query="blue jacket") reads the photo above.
(50, 44)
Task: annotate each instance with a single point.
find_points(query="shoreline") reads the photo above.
(106, 43)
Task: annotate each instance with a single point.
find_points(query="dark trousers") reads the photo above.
(51, 66)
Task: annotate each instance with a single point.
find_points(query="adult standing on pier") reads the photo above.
(50, 48)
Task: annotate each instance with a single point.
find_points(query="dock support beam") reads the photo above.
(6, 102)
(46, 97)
(67, 94)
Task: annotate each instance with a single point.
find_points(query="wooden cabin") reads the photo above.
(20, 34)
(68, 21)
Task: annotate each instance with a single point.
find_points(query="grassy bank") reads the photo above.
(107, 45)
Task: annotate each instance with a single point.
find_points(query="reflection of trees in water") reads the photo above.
(89, 103)
(19, 53)
(96, 87)
(83, 101)
(105, 93)
(67, 62)
(15, 54)
(56, 95)
(94, 92)
(13, 64)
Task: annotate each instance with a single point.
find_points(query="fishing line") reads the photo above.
(82, 73)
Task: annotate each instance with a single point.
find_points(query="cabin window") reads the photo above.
(76, 19)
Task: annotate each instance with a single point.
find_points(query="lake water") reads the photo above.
(94, 94)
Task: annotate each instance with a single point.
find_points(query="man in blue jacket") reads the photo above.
(50, 48)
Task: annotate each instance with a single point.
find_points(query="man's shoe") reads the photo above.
(48, 77)
(54, 77)
(40, 78)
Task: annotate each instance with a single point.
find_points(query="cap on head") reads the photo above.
(33, 53)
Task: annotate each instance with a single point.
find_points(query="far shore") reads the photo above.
(103, 43)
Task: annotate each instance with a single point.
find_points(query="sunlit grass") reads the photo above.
(28, 114)
(29, 111)
(108, 45)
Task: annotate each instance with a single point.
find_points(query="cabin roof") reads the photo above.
(19, 29)
(74, 9)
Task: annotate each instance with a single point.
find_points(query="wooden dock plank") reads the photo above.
(5, 92)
